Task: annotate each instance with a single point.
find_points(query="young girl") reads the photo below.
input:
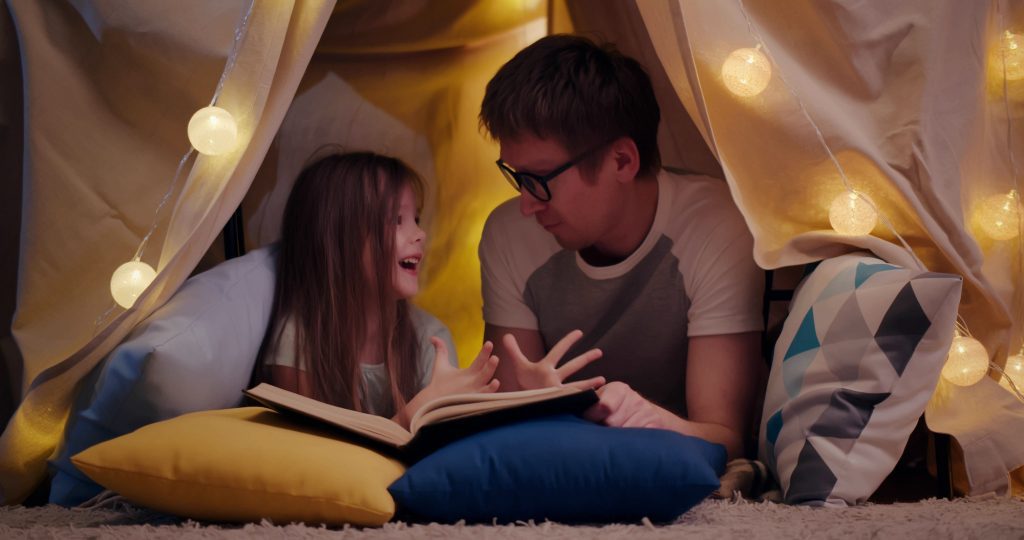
(342, 329)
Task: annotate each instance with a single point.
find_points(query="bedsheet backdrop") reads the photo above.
(903, 93)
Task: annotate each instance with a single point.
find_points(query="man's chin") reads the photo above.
(569, 244)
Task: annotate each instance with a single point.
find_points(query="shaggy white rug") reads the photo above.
(934, 519)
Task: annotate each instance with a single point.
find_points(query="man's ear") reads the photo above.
(626, 157)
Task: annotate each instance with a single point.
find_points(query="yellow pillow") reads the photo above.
(244, 465)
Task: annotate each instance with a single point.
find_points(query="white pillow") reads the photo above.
(194, 353)
(858, 358)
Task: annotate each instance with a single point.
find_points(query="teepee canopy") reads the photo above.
(906, 103)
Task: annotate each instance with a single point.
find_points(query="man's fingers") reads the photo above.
(558, 351)
(572, 366)
(597, 413)
(512, 346)
(588, 384)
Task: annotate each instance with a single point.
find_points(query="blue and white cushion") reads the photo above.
(857, 360)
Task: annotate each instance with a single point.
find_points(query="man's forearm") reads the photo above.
(728, 437)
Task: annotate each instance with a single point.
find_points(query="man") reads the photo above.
(655, 269)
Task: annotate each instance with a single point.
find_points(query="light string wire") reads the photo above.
(1018, 286)
(240, 32)
(821, 138)
(1015, 177)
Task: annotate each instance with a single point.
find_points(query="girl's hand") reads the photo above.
(546, 372)
(447, 379)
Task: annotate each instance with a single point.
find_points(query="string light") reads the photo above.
(1013, 56)
(999, 215)
(746, 72)
(129, 281)
(1013, 372)
(967, 362)
(213, 131)
(851, 214)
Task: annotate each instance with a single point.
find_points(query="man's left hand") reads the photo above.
(621, 406)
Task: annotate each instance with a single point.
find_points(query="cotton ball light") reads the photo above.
(967, 362)
(746, 72)
(213, 131)
(129, 281)
(1013, 371)
(852, 214)
(1013, 56)
(999, 215)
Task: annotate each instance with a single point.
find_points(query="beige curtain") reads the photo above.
(109, 89)
(903, 95)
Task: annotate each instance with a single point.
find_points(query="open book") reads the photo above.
(438, 422)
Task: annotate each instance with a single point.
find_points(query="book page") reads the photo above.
(461, 405)
(374, 427)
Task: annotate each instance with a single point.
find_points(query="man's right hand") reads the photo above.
(546, 372)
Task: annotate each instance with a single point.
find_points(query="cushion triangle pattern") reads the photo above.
(806, 337)
(842, 282)
(902, 328)
(864, 271)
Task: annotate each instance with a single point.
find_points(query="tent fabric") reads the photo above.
(904, 98)
(109, 89)
(903, 94)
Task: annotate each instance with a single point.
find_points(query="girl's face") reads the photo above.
(409, 239)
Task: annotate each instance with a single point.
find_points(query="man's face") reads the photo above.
(579, 212)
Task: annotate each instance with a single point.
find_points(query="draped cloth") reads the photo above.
(109, 87)
(903, 94)
(909, 98)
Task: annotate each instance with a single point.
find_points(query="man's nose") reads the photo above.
(528, 204)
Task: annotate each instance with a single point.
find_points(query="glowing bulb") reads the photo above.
(1013, 56)
(746, 72)
(852, 214)
(999, 215)
(1014, 371)
(212, 131)
(967, 362)
(129, 280)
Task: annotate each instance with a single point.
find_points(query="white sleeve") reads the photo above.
(724, 284)
(501, 285)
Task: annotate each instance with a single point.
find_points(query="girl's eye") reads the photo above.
(417, 220)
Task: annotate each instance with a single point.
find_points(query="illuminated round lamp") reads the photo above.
(213, 131)
(129, 281)
(851, 214)
(999, 216)
(967, 362)
(746, 72)
(1013, 56)
(1014, 371)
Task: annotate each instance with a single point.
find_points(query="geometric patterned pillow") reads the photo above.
(857, 360)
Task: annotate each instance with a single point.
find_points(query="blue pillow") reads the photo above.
(194, 353)
(564, 469)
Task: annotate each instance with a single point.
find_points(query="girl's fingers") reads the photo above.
(491, 387)
(572, 366)
(487, 369)
(440, 353)
(558, 351)
(482, 356)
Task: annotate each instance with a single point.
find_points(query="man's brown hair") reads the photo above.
(579, 93)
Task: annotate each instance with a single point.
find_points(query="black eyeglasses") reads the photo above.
(537, 185)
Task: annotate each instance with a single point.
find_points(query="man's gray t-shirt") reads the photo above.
(693, 275)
